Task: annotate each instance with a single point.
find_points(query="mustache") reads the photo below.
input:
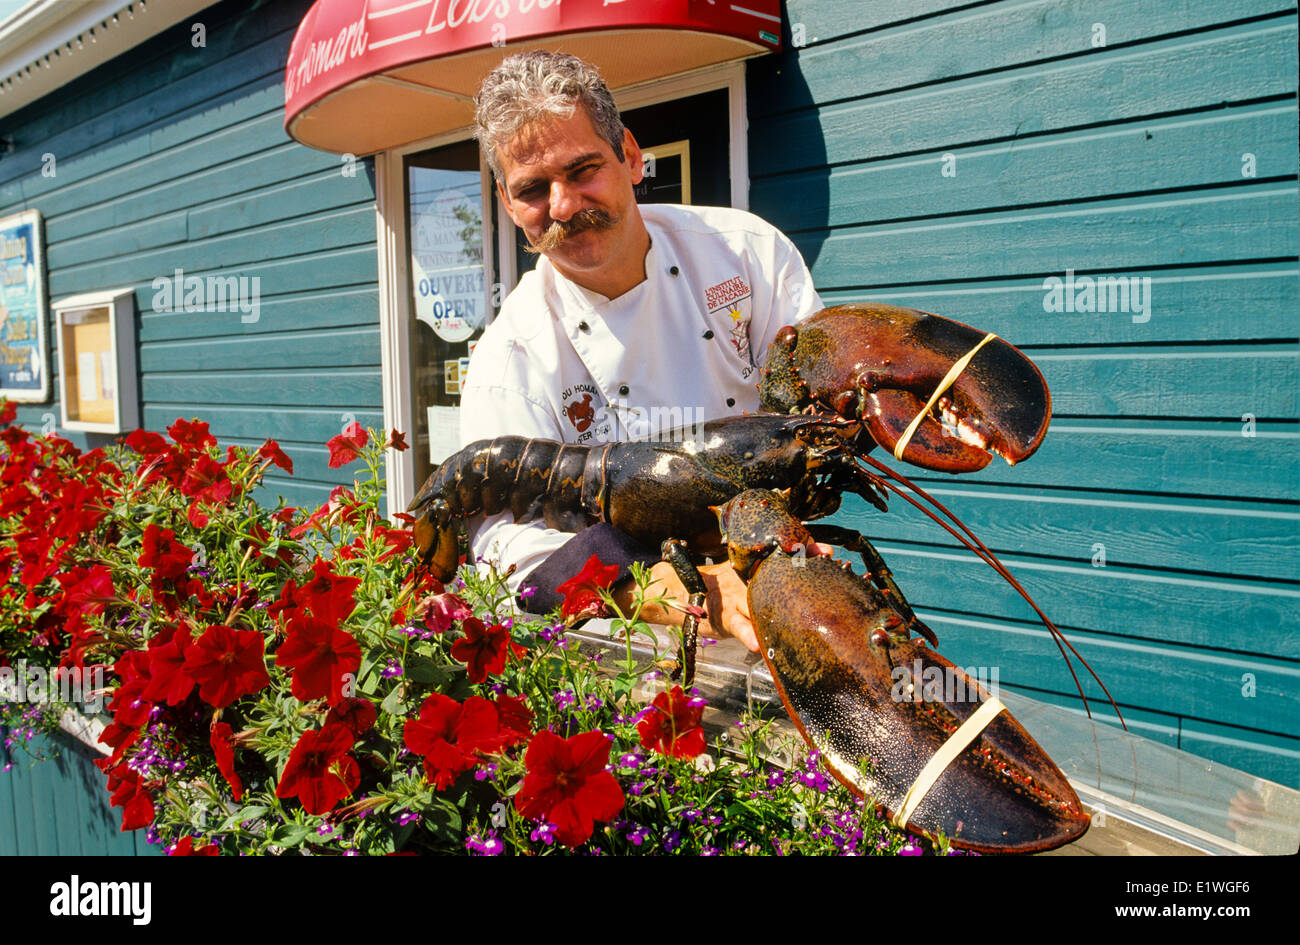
(559, 231)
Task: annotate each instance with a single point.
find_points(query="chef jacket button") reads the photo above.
(583, 326)
(674, 270)
(731, 401)
(623, 391)
(708, 334)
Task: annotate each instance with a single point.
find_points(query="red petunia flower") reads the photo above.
(86, 591)
(398, 540)
(168, 681)
(185, 847)
(582, 591)
(193, 434)
(345, 447)
(128, 793)
(671, 725)
(448, 734)
(568, 785)
(320, 772)
(515, 720)
(227, 664)
(206, 480)
(159, 550)
(320, 655)
(356, 713)
(484, 649)
(223, 747)
(271, 450)
(145, 443)
(329, 596)
(9, 411)
(397, 441)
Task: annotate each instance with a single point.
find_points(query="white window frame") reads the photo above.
(394, 252)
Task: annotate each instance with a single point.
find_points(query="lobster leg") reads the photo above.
(881, 576)
(674, 552)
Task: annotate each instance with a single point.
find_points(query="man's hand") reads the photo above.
(727, 605)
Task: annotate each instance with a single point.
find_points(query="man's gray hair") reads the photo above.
(535, 86)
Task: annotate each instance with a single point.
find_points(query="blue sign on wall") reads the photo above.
(24, 365)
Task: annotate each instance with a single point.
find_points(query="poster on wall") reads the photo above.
(24, 364)
(447, 258)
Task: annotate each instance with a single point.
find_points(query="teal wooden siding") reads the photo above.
(1122, 159)
(174, 157)
(60, 806)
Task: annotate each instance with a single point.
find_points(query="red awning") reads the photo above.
(365, 75)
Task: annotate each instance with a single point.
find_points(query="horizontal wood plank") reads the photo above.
(1174, 382)
(287, 425)
(323, 192)
(1145, 675)
(1158, 457)
(1104, 237)
(979, 40)
(343, 347)
(823, 21)
(1183, 153)
(313, 236)
(1211, 70)
(1237, 539)
(270, 388)
(1253, 621)
(315, 310)
(119, 199)
(1205, 303)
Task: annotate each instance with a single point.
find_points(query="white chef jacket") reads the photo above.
(684, 346)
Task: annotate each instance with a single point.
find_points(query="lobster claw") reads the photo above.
(882, 364)
(884, 710)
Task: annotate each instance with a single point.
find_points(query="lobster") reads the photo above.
(879, 705)
(937, 394)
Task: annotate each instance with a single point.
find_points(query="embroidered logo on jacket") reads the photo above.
(576, 403)
(733, 298)
(580, 413)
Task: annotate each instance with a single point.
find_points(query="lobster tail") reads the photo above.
(528, 477)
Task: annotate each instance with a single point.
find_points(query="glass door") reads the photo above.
(450, 268)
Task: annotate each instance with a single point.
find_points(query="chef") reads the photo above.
(636, 320)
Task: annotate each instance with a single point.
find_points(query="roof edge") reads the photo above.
(49, 43)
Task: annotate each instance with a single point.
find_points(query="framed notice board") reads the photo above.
(24, 352)
(97, 365)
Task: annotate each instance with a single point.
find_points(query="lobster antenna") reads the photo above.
(984, 554)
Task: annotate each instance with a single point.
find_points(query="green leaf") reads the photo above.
(392, 703)
(623, 686)
(241, 816)
(422, 669)
(288, 835)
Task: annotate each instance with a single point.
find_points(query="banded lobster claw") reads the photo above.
(894, 721)
(882, 364)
